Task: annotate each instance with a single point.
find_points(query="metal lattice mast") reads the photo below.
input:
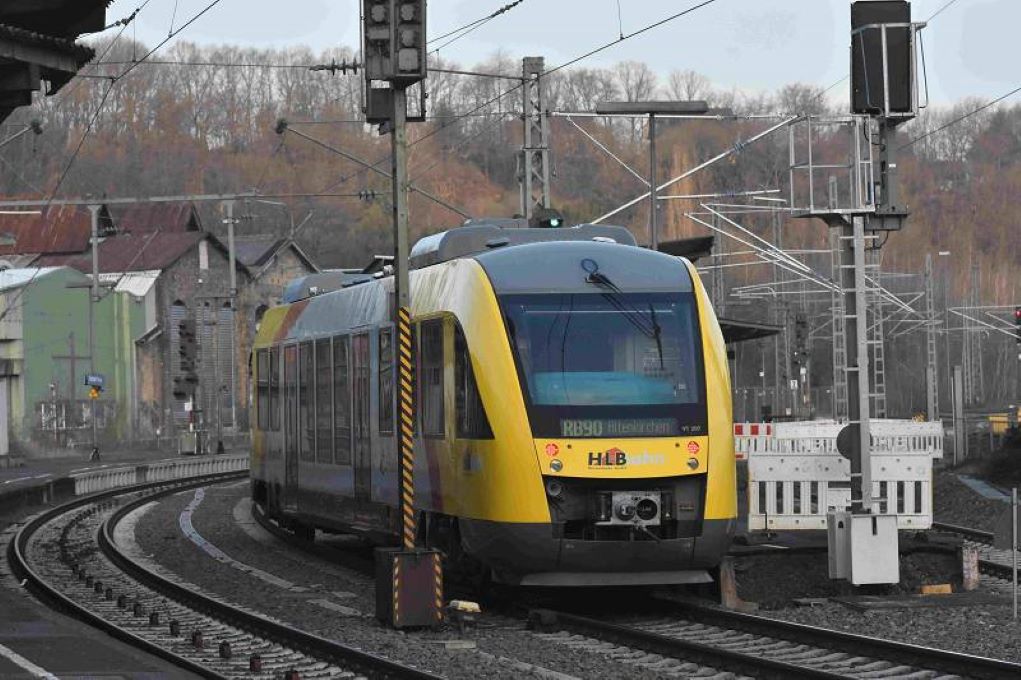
(875, 334)
(716, 291)
(974, 383)
(781, 343)
(931, 357)
(534, 172)
(839, 351)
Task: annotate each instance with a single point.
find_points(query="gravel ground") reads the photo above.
(955, 503)
(986, 630)
(807, 576)
(504, 648)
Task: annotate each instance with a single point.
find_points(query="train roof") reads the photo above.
(480, 236)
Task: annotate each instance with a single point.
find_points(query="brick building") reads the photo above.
(160, 258)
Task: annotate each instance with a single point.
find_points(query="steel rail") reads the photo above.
(685, 650)
(928, 658)
(352, 658)
(372, 665)
(17, 558)
(855, 645)
(998, 569)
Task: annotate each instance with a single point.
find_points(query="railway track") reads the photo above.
(992, 561)
(767, 648)
(68, 557)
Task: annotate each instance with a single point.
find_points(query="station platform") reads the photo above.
(35, 641)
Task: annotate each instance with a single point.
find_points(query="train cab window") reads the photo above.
(386, 381)
(431, 377)
(324, 401)
(472, 422)
(274, 389)
(306, 405)
(262, 389)
(341, 402)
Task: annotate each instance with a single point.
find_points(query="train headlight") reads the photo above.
(556, 465)
(693, 463)
(625, 510)
(554, 489)
(646, 509)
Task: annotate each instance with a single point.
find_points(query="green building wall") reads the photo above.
(52, 311)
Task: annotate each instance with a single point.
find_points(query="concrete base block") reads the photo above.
(969, 568)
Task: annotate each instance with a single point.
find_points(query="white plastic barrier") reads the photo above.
(111, 478)
(796, 475)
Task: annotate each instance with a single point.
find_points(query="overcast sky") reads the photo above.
(971, 48)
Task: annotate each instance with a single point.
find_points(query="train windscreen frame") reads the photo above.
(609, 364)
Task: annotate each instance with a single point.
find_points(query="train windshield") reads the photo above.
(609, 363)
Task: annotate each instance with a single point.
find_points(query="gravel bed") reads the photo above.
(986, 630)
(504, 648)
(774, 581)
(955, 503)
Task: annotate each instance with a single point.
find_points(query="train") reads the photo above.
(572, 396)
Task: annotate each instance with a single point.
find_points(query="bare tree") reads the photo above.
(688, 85)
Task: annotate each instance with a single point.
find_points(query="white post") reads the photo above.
(1013, 542)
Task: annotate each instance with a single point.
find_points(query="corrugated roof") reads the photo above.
(168, 217)
(64, 229)
(133, 252)
(16, 278)
(137, 284)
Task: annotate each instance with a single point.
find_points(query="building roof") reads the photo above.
(16, 278)
(256, 250)
(743, 330)
(62, 230)
(133, 252)
(66, 18)
(167, 217)
(37, 45)
(138, 284)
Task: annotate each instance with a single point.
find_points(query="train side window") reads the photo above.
(274, 389)
(262, 389)
(324, 402)
(431, 378)
(472, 422)
(386, 381)
(306, 405)
(342, 402)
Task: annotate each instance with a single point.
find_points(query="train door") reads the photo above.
(291, 427)
(362, 432)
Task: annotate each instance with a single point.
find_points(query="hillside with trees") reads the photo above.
(210, 126)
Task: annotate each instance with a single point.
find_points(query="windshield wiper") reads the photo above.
(649, 327)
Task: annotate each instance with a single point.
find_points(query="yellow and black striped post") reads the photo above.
(405, 398)
(409, 585)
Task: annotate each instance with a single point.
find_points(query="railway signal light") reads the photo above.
(546, 218)
(394, 40)
(1017, 324)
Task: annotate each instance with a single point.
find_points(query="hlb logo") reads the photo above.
(611, 458)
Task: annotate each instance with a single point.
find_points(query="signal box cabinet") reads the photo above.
(409, 587)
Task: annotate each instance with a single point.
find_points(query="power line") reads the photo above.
(469, 27)
(92, 122)
(940, 10)
(957, 120)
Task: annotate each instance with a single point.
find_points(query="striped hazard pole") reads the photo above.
(417, 572)
(405, 399)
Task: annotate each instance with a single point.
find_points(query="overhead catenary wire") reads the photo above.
(960, 118)
(470, 27)
(92, 121)
(519, 85)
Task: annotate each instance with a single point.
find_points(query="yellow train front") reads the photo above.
(573, 401)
